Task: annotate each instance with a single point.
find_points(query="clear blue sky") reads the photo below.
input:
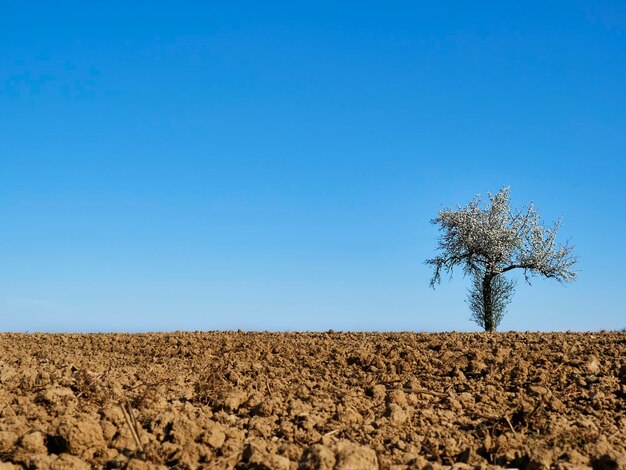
(263, 165)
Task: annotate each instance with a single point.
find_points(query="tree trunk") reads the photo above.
(487, 306)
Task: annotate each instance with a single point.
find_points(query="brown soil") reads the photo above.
(313, 400)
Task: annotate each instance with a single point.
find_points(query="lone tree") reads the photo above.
(488, 239)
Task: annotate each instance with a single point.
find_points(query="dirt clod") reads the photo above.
(81, 433)
(317, 457)
(34, 443)
(328, 401)
(351, 456)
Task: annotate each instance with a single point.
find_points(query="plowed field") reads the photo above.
(313, 400)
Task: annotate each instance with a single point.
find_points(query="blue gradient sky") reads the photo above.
(275, 165)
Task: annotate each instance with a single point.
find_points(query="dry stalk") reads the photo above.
(423, 391)
(508, 421)
(537, 407)
(330, 433)
(127, 411)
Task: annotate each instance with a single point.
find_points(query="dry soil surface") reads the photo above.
(312, 400)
